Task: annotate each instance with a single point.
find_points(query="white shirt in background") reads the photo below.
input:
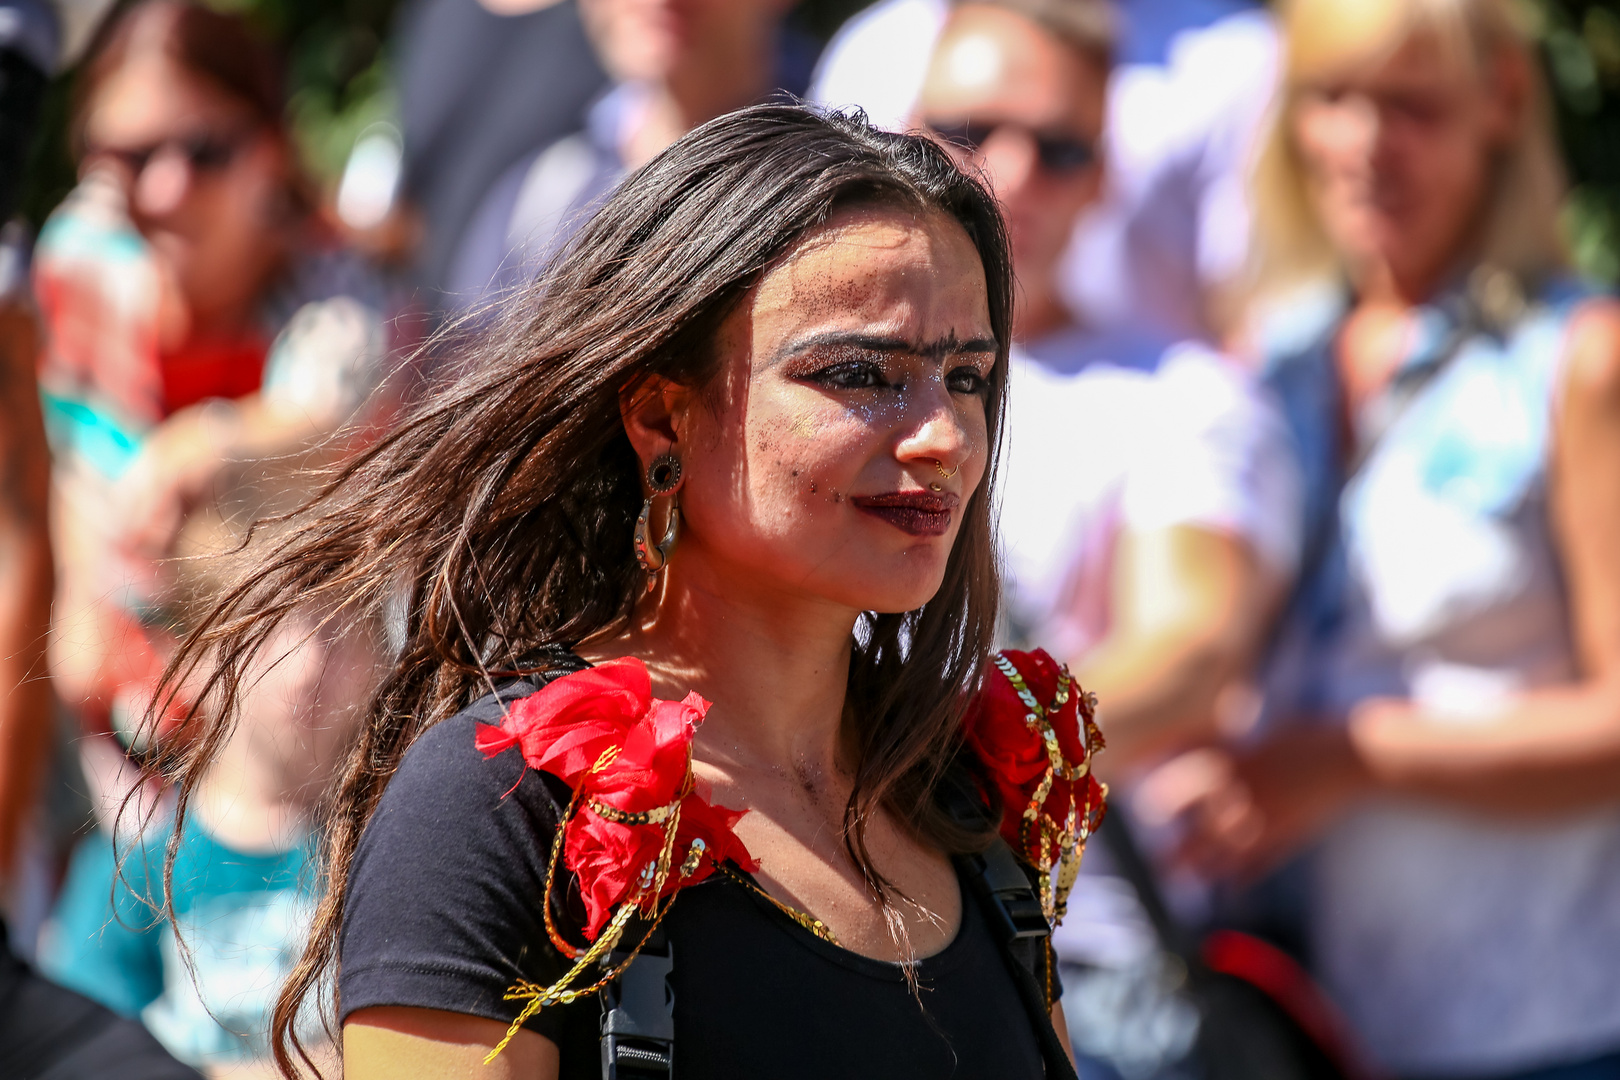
(1103, 437)
(1109, 434)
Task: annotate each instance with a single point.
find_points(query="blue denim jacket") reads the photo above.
(1457, 943)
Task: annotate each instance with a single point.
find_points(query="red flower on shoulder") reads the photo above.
(564, 727)
(1034, 730)
(628, 757)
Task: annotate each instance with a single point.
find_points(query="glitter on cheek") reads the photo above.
(804, 426)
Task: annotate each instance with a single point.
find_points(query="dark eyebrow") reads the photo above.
(882, 343)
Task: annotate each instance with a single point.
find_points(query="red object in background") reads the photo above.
(213, 369)
(1275, 974)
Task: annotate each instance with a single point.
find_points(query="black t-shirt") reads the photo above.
(444, 912)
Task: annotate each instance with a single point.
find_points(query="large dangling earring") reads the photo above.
(663, 478)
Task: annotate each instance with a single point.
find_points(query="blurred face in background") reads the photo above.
(207, 184)
(663, 40)
(1398, 143)
(1006, 95)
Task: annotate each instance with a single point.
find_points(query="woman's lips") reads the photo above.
(916, 513)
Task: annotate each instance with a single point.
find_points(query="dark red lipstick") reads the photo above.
(916, 513)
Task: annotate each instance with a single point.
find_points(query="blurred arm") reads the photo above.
(399, 1043)
(1189, 607)
(26, 583)
(320, 375)
(1061, 1026)
(1555, 750)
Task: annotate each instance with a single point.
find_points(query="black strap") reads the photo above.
(1013, 908)
(638, 1015)
(1013, 911)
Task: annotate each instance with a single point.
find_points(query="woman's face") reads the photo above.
(206, 184)
(852, 379)
(1398, 153)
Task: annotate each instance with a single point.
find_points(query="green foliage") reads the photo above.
(1580, 42)
(337, 80)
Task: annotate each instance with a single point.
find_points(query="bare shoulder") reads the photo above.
(1592, 361)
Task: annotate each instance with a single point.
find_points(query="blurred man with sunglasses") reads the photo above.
(1146, 496)
(1021, 91)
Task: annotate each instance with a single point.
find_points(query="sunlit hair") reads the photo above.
(496, 520)
(1325, 37)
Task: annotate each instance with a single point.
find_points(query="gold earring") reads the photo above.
(663, 478)
(940, 465)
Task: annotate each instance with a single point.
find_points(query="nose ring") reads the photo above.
(940, 465)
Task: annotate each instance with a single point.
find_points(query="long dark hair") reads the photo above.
(496, 520)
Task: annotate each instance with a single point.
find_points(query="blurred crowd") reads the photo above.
(1311, 473)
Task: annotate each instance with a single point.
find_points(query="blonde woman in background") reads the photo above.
(1444, 701)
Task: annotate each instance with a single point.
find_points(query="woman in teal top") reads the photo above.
(1443, 710)
(239, 913)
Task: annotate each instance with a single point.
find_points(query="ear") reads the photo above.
(654, 413)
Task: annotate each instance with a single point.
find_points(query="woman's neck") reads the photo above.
(775, 666)
(1377, 334)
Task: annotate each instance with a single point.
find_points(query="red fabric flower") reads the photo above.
(1014, 752)
(565, 729)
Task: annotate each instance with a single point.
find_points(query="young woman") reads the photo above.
(1447, 689)
(732, 448)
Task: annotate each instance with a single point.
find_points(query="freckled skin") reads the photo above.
(776, 505)
(860, 359)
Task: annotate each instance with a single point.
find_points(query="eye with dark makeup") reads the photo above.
(864, 370)
(967, 380)
(849, 375)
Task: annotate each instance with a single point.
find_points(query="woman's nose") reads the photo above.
(1360, 125)
(163, 184)
(937, 432)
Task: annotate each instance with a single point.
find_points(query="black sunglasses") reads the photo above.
(1056, 153)
(206, 152)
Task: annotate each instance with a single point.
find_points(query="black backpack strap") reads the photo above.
(638, 1014)
(1013, 910)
